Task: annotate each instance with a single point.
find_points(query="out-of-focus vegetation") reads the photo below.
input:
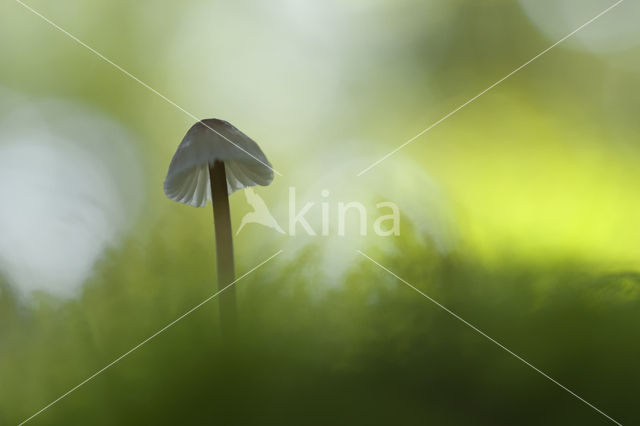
(536, 186)
(369, 352)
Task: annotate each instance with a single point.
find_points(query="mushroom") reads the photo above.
(214, 160)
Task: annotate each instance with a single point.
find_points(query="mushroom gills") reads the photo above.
(194, 188)
(190, 188)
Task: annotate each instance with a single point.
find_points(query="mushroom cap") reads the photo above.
(206, 141)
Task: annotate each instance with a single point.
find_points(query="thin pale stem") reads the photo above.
(224, 246)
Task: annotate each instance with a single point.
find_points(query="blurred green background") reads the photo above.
(520, 213)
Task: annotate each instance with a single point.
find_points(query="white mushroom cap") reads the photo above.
(207, 141)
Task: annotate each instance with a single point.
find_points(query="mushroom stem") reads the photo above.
(224, 245)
